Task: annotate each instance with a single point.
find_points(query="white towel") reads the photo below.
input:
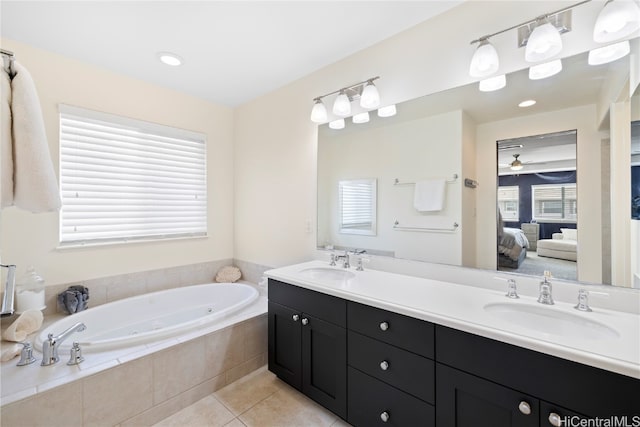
(6, 146)
(35, 186)
(428, 195)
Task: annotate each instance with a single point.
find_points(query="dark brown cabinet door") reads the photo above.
(285, 344)
(464, 400)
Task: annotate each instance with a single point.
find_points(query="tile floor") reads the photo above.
(259, 399)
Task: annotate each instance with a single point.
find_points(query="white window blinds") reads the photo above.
(509, 202)
(357, 206)
(555, 202)
(123, 179)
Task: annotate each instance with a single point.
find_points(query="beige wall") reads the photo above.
(32, 239)
(275, 141)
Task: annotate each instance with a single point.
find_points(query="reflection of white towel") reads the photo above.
(35, 183)
(6, 148)
(429, 195)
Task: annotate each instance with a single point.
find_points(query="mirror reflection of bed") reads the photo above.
(537, 205)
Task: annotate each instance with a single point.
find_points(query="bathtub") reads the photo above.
(153, 316)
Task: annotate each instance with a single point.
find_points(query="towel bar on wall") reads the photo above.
(397, 226)
(453, 179)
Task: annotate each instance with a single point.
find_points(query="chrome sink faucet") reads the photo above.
(345, 259)
(545, 296)
(50, 346)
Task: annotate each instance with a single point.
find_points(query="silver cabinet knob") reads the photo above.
(384, 326)
(555, 419)
(524, 407)
(295, 317)
(384, 416)
(305, 321)
(384, 365)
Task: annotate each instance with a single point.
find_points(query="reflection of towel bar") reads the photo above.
(397, 226)
(449, 181)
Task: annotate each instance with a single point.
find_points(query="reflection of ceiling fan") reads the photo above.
(516, 165)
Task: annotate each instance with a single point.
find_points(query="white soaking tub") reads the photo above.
(149, 317)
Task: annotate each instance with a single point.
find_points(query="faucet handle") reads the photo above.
(332, 259)
(26, 355)
(75, 358)
(361, 260)
(583, 299)
(512, 291)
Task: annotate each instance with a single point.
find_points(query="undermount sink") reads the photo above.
(326, 273)
(550, 321)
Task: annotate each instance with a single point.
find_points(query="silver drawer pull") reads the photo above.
(384, 365)
(524, 407)
(305, 321)
(555, 419)
(385, 416)
(383, 327)
(296, 317)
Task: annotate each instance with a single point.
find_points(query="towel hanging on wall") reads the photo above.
(35, 186)
(429, 195)
(6, 145)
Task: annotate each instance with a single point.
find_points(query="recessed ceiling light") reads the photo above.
(170, 59)
(527, 103)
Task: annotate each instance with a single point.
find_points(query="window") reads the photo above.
(555, 202)
(124, 180)
(509, 202)
(357, 200)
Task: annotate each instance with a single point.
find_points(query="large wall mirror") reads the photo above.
(456, 144)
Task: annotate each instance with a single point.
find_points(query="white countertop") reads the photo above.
(462, 307)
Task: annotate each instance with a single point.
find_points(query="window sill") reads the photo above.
(76, 246)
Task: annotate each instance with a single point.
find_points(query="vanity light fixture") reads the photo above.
(388, 111)
(169, 58)
(548, 69)
(361, 118)
(365, 91)
(493, 83)
(524, 104)
(610, 53)
(337, 124)
(617, 19)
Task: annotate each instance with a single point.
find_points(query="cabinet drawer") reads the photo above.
(323, 306)
(404, 370)
(402, 331)
(370, 398)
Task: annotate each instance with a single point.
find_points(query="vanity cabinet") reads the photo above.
(308, 343)
(375, 367)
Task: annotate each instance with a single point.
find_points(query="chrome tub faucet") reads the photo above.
(50, 346)
(9, 291)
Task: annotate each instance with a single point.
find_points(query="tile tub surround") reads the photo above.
(140, 385)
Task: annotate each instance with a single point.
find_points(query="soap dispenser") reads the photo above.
(30, 291)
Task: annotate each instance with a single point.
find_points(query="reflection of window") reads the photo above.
(357, 199)
(554, 202)
(509, 202)
(123, 179)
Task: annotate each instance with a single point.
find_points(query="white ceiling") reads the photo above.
(233, 51)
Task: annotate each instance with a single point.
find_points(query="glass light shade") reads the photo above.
(370, 97)
(493, 83)
(544, 43)
(361, 118)
(388, 111)
(342, 105)
(319, 112)
(485, 60)
(548, 69)
(616, 20)
(337, 124)
(609, 53)
(516, 165)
